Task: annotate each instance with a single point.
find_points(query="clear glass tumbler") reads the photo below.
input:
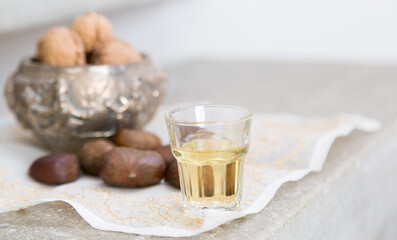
(210, 142)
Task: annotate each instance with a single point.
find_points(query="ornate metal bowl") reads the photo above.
(65, 106)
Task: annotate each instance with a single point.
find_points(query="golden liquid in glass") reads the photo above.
(211, 172)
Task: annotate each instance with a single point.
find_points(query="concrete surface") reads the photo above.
(354, 197)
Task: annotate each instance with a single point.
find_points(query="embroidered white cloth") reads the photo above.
(283, 148)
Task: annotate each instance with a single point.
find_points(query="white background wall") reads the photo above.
(176, 31)
(309, 30)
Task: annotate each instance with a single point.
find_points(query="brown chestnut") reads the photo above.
(55, 169)
(129, 167)
(137, 139)
(166, 154)
(172, 175)
(91, 155)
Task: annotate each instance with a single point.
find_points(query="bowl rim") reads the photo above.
(31, 62)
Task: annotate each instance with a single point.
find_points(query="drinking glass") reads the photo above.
(210, 142)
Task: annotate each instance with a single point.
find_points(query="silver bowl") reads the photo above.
(66, 106)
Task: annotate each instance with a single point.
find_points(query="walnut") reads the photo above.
(114, 52)
(60, 46)
(93, 28)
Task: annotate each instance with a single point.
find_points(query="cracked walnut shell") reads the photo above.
(93, 28)
(60, 46)
(114, 52)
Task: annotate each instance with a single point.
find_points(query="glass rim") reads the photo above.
(247, 116)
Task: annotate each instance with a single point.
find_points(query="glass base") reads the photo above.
(197, 209)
